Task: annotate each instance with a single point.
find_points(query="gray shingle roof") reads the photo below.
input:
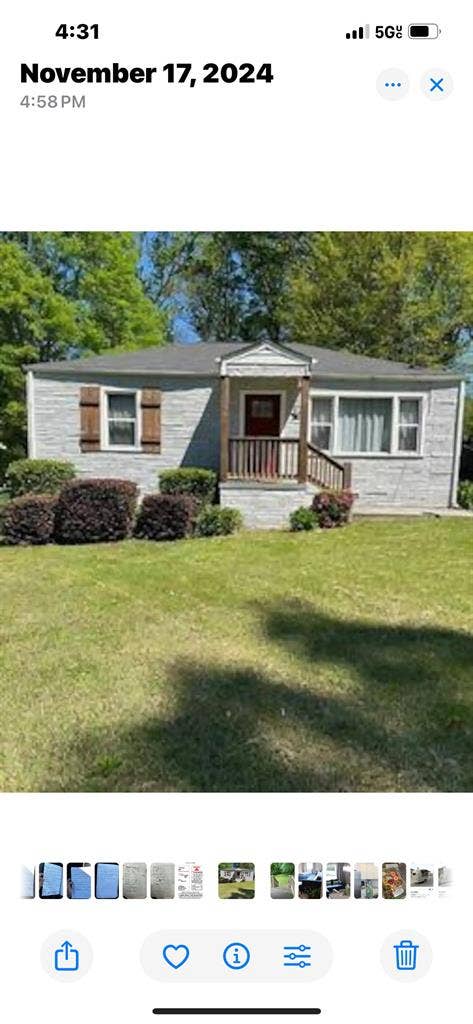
(202, 359)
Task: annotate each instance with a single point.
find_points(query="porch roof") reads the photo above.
(204, 359)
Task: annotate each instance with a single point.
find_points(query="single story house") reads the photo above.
(276, 421)
(236, 874)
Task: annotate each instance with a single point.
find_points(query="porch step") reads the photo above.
(265, 485)
(265, 506)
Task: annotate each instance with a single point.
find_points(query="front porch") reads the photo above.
(269, 460)
(265, 504)
(268, 465)
(264, 422)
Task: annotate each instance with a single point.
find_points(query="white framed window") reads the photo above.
(321, 423)
(409, 424)
(356, 423)
(364, 425)
(121, 428)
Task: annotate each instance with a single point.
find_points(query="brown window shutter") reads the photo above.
(151, 420)
(90, 419)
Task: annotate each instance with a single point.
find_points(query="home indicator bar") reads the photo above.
(238, 1011)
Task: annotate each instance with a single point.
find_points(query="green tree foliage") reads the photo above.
(64, 295)
(396, 295)
(201, 277)
(229, 286)
(282, 868)
(97, 273)
(227, 866)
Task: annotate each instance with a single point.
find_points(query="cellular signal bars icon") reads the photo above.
(363, 32)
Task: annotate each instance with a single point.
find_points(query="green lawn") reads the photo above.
(236, 890)
(284, 880)
(339, 660)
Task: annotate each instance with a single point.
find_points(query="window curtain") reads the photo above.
(409, 411)
(121, 406)
(364, 424)
(408, 424)
(321, 423)
(122, 415)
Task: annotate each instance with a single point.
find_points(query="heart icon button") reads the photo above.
(176, 956)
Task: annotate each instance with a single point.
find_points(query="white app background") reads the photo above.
(318, 148)
(420, 828)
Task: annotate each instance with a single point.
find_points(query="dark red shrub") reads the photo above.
(332, 508)
(166, 517)
(29, 519)
(90, 511)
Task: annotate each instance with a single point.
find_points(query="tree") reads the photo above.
(268, 260)
(97, 271)
(226, 286)
(201, 275)
(65, 295)
(396, 295)
(34, 321)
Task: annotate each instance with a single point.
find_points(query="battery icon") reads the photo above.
(424, 31)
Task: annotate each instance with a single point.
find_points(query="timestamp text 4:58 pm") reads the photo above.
(53, 102)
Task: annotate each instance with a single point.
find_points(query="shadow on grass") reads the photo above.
(383, 707)
(241, 894)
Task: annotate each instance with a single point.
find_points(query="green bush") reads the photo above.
(29, 519)
(91, 511)
(465, 494)
(333, 508)
(302, 519)
(166, 517)
(200, 484)
(37, 476)
(218, 521)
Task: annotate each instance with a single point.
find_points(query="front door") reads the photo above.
(262, 415)
(262, 420)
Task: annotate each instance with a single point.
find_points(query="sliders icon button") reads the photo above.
(297, 956)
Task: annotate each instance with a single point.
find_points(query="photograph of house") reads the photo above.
(236, 881)
(276, 421)
(235, 514)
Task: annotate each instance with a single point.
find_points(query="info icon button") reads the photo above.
(392, 84)
(236, 956)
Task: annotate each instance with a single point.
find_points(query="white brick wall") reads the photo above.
(265, 507)
(410, 482)
(190, 436)
(189, 429)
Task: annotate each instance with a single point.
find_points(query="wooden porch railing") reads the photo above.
(324, 471)
(277, 458)
(262, 458)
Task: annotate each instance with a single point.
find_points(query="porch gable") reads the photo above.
(266, 359)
